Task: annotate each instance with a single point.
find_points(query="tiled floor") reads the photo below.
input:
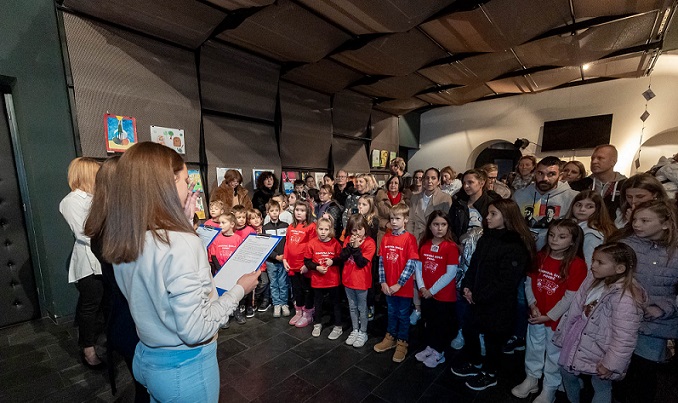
(265, 360)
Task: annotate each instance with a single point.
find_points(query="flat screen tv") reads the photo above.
(574, 134)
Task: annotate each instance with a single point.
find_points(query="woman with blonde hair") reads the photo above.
(84, 269)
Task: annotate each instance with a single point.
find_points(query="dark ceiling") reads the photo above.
(413, 54)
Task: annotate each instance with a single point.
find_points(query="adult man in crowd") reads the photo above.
(492, 170)
(604, 179)
(549, 198)
(342, 187)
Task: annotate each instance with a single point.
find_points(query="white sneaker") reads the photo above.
(458, 342)
(336, 332)
(423, 355)
(434, 359)
(317, 328)
(276, 311)
(351, 337)
(360, 340)
(286, 310)
(414, 317)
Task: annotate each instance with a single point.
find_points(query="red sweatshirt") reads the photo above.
(359, 278)
(223, 247)
(434, 265)
(318, 251)
(395, 251)
(298, 237)
(547, 286)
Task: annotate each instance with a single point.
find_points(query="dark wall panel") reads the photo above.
(235, 82)
(306, 134)
(237, 144)
(126, 74)
(384, 131)
(350, 155)
(350, 113)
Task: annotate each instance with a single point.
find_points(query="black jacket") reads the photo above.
(612, 205)
(334, 210)
(459, 212)
(260, 198)
(499, 262)
(278, 228)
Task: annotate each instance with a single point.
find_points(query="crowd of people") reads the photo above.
(580, 271)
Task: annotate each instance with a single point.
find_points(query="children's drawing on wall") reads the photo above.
(195, 177)
(288, 178)
(172, 138)
(121, 132)
(376, 158)
(222, 171)
(383, 163)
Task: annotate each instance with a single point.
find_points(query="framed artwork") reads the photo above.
(121, 132)
(288, 178)
(383, 163)
(256, 173)
(319, 178)
(393, 155)
(172, 138)
(196, 178)
(376, 158)
(222, 171)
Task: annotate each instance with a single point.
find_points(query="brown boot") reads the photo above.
(386, 344)
(401, 351)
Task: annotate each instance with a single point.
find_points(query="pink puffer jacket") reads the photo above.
(610, 333)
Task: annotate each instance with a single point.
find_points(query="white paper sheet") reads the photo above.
(207, 234)
(246, 259)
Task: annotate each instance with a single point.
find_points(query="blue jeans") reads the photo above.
(190, 375)
(357, 306)
(399, 310)
(520, 330)
(602, 389)
(278, 281)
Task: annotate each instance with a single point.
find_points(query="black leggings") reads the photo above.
(303, 293)
(90, 309)
(640, 384)
(335, 298)
(493, 347)
(440, 319)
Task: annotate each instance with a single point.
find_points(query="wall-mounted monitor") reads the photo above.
(574, 134)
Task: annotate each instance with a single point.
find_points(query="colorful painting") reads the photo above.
(288, 178)
(121, 132)
(222, 171)
(172, 138)
(195, 178)
(383, 163)
(376, 158)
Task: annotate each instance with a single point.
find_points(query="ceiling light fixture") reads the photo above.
(586, 66)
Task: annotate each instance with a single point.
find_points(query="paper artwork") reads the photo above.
(121, 132)
(222, 171)
(172, 138)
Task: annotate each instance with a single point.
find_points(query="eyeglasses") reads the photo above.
(341, 176)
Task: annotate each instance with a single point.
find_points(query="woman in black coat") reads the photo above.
(473, 195)
(267, 184)
(501, 258)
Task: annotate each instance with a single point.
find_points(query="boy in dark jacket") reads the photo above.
(276, 271)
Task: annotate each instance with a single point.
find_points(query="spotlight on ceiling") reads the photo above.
(586, 66)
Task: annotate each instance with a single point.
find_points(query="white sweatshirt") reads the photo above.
(171, 293)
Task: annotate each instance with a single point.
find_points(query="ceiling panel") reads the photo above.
(457, 96)
(396, 87)
(591, 44)
(325, 75)
(393, 55)
(401, 106)
(464, 32)
(632, 65)
(238, 4)
(536, 82)
(382, 16)
(519, 21)
(286, 32)
(474, 69)
(158, 18)
(589, 9)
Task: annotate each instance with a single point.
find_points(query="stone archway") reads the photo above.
(661, 144)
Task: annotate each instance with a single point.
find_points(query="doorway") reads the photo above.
(503, 154)
(18, 293)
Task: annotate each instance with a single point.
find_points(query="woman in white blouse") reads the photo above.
(84, 269)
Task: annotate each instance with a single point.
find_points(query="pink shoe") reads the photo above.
(297, 315)
(306, 318)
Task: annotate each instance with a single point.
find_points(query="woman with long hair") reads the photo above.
(162, 269)
(267, 184)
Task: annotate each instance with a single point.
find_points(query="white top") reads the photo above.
(171, 293)
(75, 208)
(285, 216)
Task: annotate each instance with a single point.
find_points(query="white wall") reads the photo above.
(455, 135)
